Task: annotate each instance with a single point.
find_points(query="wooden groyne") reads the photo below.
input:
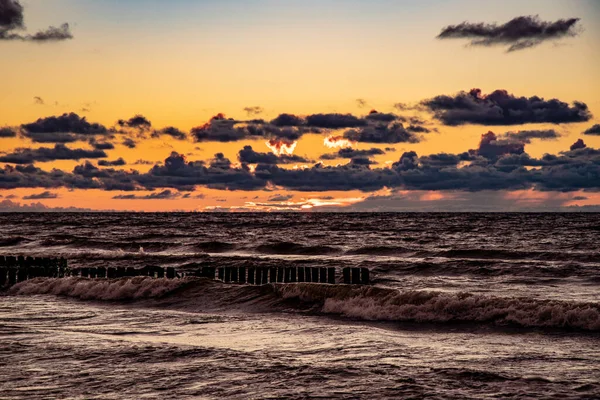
(18, 269)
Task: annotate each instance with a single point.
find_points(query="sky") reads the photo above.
(329, 105)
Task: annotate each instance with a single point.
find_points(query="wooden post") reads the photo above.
(101, 272)
(315, 274)
(265, 276)
(12, 276)
(130, 271)
(364, 276)
(120, 272)
(293, 273)
(323, 275)
(93, 273)
(356, 276)
(273, 275)
(227, 274)
(331, 275)
(242, 275)
(259, 272)
(301, 277)
(222, 274)
(171, 273)
(160, 272)
(251, 275)
(2, 261)
(234, 274)
(21, 261)
(307, 274)
(111, 273)
(347, 278)
(3, 276)
(85, 272)
(280, 272)
(287, 274)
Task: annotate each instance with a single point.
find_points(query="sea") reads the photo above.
(461, 306)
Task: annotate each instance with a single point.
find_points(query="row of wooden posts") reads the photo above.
(19, 269)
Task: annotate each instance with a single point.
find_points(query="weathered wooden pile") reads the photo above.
(19, 269)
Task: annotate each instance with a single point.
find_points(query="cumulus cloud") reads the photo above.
(129, 142)
(12, 21)
(66, 128)
(41, 196)
(517, 34)
(7, 132)
(116, 163)
(164, 195)
(281, 197)
(334, 121)
(393, 133)
(352, 153)
(136, 122)
(579, 144)
(249, 156)
(503, 108)
(45, 154)
(172, 132)
(527, 136)
(287, 120)
(594, 130)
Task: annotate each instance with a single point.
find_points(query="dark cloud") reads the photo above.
(116, 163)
(417, 129)
(129, 142)
(52, 137)
(219, 129)
(101, 145)
(64, 124)
(137, 122)
(11, 20)
(164, 195)
(7, 132)
(281, 197)
(502, 108)
(143, 162)
(492, 148)
(381, 117)
(518, 34)
(579, 144)
(170, 131)
(334, 121)
(249, 156)
(45, 154)
(41, 196)
(349, 152)
(253, 111)
(594, 130)
(287, 120)
(527, 136)
(393, 133)
(38, 100)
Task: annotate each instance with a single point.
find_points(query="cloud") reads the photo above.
(129, 142)
(594, 130)
(287, 120)
(249, 156)
(116, 163)
(579, 144)
(281, 197)
(334, 121)
(11, 206)
(393, 133)
(170, 131)
(352, 153)
(45, 154)
(60, 129)
(101, 145)
(381, 117)
(164, 195)
(38, 100)
(12, 19)
(253, 111)
(527, 136)
(491, 147)
(136, 122)
(7, 132)
(219, 129)
(502, 108)
(40, 196)
(519, 33)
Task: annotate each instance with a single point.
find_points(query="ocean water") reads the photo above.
(463, 306)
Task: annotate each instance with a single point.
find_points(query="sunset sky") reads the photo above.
(380, 78)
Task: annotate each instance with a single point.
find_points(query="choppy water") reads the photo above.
(463, 306)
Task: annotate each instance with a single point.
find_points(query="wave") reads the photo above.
(357, 302)
(290, 248)
(128, 246)
(100, 289)
(505, 254)
(216, 247)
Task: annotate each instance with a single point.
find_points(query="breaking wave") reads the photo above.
(364, 302)
(292, 248)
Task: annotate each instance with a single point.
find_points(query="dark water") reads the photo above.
(463, 306)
